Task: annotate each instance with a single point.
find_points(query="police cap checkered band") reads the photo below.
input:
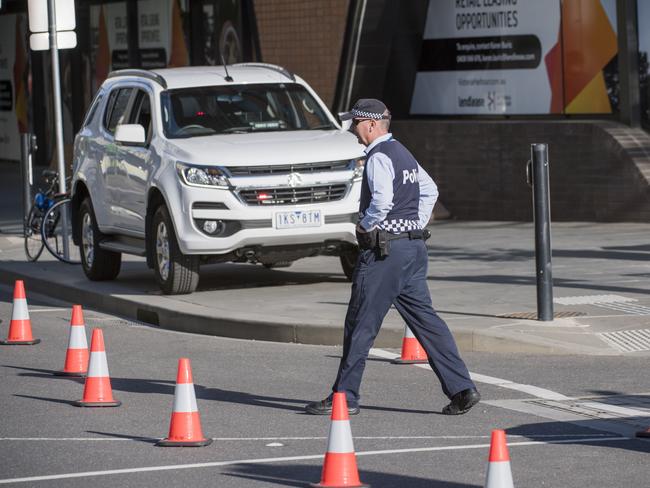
(366, 108)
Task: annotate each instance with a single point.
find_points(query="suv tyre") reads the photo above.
(98, 264)
(176, 272)
(349, 261)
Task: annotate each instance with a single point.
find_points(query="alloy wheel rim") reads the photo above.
(162, 250)
(87, 242)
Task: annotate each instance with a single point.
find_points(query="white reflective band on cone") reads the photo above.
(184, 398)
(20, 311)
(408, 333)
(77, 338)
(499, 475)
(340, 438)
(98, 367)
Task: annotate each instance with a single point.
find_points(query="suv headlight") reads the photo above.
(356, 165)
(212, 176)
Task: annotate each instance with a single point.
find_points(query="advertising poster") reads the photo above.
(161, 39)
(501, 57)
(12, 96)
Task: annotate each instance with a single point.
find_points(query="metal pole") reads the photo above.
(542, 213)
(58, 117)
(26, 171)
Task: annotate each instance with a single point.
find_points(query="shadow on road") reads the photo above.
(300, 476)
(598, 426)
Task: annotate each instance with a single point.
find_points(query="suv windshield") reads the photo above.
(191, 112)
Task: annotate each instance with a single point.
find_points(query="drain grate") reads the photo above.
(632, 410)
(635, 340)
(533, 315)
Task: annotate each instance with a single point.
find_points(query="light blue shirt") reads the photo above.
(380, 172)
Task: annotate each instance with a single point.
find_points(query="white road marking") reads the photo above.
(490, 380)
(295, 458)
(318, 438)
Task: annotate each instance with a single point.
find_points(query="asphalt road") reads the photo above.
(250, 396)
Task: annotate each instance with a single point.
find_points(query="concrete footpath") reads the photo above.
(479, 273)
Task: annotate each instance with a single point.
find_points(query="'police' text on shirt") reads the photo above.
(410, 176)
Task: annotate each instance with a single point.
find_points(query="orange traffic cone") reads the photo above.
(97, 389)
(498, 471)
(20, 327)
(185, 426)
(76, 357)
(412, 352)
(340, 465)
(643, 433)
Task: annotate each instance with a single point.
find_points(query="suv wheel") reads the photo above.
(349, 261)
(98, 264)
(176, 272)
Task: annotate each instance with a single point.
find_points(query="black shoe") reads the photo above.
(462, 401)
(324, 407)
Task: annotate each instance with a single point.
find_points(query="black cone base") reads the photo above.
(81, 403)
(170, 443)
(7, 342)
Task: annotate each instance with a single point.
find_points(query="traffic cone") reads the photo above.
(76, 357)
(20, 327)
(340, 465)
(643, 433)
(97, 389)
(498, 471)
(185, 425)
(412, 352)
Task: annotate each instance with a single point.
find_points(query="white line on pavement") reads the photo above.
(294, 458)
(490, 380)
(421, 437)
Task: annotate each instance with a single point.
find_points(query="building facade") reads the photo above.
(471, 83)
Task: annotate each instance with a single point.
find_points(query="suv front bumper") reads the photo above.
(255, 225)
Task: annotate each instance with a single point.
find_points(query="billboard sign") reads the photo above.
(486, 57)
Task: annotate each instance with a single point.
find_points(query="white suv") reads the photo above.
(202, 164)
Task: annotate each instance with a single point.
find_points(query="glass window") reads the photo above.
(141, 112)
(93, 109)
(117, 108)
(230, 109)
(643, 20)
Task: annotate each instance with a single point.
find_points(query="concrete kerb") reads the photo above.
(201, 320)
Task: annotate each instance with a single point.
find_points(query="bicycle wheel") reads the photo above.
(54, 237)
(32, 232)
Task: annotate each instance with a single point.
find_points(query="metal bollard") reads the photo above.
(537, 174)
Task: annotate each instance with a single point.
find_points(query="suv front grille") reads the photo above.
(291, 196)
(285, 169)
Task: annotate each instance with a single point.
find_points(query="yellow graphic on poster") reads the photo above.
(590, 48)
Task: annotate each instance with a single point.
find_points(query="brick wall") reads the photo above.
(306, 37)
(599, 171)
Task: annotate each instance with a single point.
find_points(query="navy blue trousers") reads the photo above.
(399, 279)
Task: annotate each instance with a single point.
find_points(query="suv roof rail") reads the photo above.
(274, 67)
(139, 72)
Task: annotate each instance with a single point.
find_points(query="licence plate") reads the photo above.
(298, 218)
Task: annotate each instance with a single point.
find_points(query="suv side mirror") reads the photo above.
(130, 134)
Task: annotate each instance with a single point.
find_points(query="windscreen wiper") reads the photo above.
(240, 130)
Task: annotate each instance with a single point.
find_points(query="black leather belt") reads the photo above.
(412, 235)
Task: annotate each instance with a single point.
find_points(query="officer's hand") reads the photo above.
(361, 230)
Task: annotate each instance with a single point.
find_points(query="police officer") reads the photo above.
(397, 198)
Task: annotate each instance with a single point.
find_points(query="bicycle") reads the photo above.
(42, 202)
(47, 216)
